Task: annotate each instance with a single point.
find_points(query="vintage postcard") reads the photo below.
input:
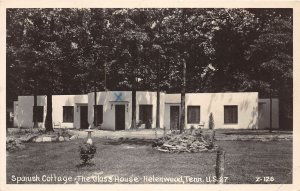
(149, 95)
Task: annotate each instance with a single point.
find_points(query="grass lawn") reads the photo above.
(245, 160)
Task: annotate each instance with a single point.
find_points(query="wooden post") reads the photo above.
(220, 166)
(95, 105)
(213, 137)
(35, 123)
(271, 107)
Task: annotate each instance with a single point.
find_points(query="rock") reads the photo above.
(54, 139)
(46, 139)
(18, 141)
(61, 138)
(10, 139)
(71, 133)
(28, 138)
(74, 137)
(187, 142)
(13, 144)
(39, 139)
(66, 138)
(21, 146)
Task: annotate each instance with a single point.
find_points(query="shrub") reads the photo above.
(148, 124)
(87, 152)
(139, 124)
(211, 123)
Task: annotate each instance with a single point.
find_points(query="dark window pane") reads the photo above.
(193, 113)
(98, 112)
(39, 112)
(68, 114)
(230, 114)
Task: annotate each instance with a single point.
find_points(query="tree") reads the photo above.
(131, 37)
(188, 30)
(172, 50)
(271, 54)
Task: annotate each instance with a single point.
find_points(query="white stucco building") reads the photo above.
(239, 110)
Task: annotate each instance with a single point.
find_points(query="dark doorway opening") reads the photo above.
(84, 124)
(119, 117)
(145, 115)
(174, 117)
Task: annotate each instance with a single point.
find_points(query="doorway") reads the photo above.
(145, 115)
(119, 117)
(174, 117)
(84, 124)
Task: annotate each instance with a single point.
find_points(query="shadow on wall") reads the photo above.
(253, 124)
(22, 121)
(148, 98)
(41, 100)
(68, 102)
(72, 100)
(214, 97)
(245, 104)
(78, 98)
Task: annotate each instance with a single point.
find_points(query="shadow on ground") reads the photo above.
(129, 141)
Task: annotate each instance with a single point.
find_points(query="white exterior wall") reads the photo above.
(162, 109)
(150, 98)
(170, 100)
(108, 100)
(247, 103)
(58, 101)
(15, 114)
(25, 106)
(264, 114)
(249, 116)
(24, 111)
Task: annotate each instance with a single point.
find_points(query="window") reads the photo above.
(230, 114)
(145, 113)
(193, 113)
(68, 114)
(98, 112)
(39, 112)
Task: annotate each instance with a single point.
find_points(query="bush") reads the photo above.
(87, 152)
(211, 123)
(13, 144)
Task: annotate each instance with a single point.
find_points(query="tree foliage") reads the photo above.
(62, 51)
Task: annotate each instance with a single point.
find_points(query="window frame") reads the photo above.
(236, 117)
(188, 112)
(68, 121)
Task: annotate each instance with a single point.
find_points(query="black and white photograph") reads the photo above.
(169, 95)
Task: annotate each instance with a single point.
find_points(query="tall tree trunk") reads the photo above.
(133, 99)
(95, 103)
(158, 109)
(134, 85)
(133, 119)
(271, 120)
(158, 95)
(183, 53)
(48, 121)
(182, 114)
(35, 123)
